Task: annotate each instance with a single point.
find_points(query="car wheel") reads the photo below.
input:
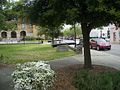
(109, 48)
(98, 48)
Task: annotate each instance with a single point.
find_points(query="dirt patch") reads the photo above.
(6, 66)
(65, 76)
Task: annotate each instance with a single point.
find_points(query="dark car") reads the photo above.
(100, 43)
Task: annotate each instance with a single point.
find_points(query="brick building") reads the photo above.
(24, 28)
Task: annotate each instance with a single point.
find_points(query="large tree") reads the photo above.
(2, 17)
(7, 15)
(89, 13)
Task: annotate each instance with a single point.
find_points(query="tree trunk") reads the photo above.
(52, 39)
(87, 55)
(75, 34)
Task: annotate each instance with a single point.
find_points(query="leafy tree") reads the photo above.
(2, 22)
(74, 31)
(77, 31)
(51, 32)
(89, 13)
(2, 17)
(7, 15)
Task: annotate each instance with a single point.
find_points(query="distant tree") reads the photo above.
(89, 13)
(75, 31)
(7, 15)
(51, 32)
(2, 17)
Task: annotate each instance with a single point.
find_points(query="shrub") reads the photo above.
(29, 38)
(85, 80)
(33, 76)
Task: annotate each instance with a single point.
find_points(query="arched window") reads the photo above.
(13, 34)
(22, 34)
(4, 34)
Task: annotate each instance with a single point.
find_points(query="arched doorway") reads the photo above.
(13, 34)
(4, 34)
(22, 34)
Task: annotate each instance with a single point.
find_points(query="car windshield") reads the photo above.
(100, 40)
(107, 40)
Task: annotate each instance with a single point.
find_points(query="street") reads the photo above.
(115, 50)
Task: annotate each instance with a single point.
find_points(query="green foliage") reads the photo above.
(7, 16)
(85, 80)
(50, 31)
(2, 21)
(29, 38)
(95, 14)
(70, 32)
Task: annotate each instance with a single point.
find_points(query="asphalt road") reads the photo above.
(115, 50)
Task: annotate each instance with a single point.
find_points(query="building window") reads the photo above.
(13, 34)
(4, 34)
(22, 34)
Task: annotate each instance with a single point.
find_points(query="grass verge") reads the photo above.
(12, 54)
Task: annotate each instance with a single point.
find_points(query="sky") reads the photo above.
(66, 26)
(13, 0)
(97, 32)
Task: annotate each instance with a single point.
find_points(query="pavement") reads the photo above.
(98, 58)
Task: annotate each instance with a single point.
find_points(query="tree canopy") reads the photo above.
(89, 13)
(55, 32)
(68, 32)
(7, 15)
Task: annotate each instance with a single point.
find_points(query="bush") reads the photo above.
(29, 38)
(33, 76)
(85, 80)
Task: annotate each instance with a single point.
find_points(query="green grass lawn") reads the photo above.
(12, 54)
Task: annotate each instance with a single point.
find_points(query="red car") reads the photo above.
(99, 43)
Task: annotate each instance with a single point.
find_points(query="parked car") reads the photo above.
(107, 40)
(99, 43)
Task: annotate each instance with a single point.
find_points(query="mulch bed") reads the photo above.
(64, 76)
(6, 66)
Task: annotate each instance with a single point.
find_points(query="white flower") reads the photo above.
(33, 76)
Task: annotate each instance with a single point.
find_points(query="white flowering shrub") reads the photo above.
(33, 76)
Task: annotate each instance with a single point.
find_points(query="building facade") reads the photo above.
(114, 34)
(24, 28)
(111, 32)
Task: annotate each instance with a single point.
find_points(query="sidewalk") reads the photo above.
(98, 58)
(101, 58)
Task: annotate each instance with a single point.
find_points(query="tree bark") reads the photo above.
(87, 55)
(75, 34)
(52, 39)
